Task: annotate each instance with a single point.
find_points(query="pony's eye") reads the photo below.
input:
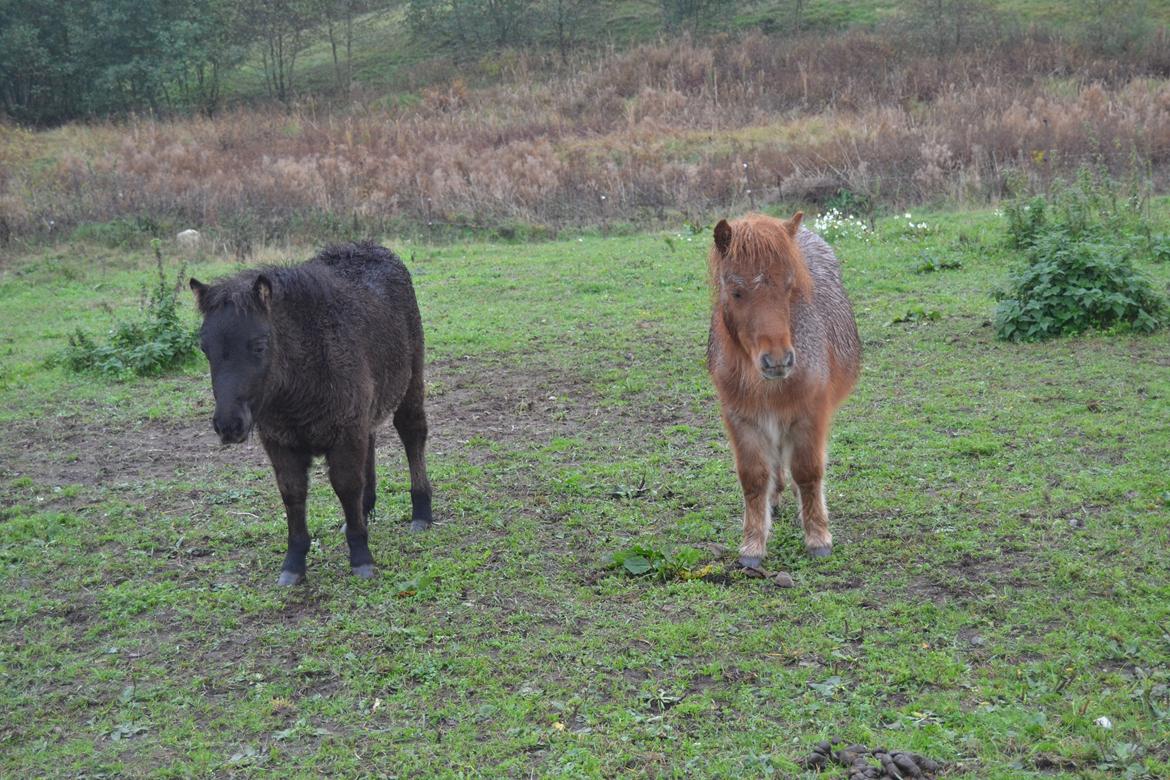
(737, 294)
(259, 345)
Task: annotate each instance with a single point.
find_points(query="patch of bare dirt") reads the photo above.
(498, 401)
(506, 402)
(78, 451)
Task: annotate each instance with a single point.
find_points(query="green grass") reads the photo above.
(1000, 580)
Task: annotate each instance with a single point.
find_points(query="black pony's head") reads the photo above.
(236, 337)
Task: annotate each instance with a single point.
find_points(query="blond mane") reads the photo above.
(761, 245)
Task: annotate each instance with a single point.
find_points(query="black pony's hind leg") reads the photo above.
(370, 492)
(411, 423)
(347, 474)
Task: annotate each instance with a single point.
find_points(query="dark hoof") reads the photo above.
(751, 561)
(290, 578)
(824, 551)
(366, 571)
(419, 525)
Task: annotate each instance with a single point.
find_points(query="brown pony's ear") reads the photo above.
(793, 225)
(262, 289)
(199, 288)
(722, 236)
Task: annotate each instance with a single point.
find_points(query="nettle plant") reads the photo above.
(1079, 274)
(156, 342)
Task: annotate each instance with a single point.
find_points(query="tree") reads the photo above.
(562, 18)
(61, 60)
(695, 13)
(339, 18)
(943, 26)
(472, 25)
(282, 28)
(211, 40)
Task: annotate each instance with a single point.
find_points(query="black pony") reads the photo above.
(316, 356)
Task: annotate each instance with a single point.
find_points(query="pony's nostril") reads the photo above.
(790, 359)
(766, 362)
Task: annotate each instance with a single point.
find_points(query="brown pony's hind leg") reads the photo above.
(756, 474)
(777, 491)
(808, 472)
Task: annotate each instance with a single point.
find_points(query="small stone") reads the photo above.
(189, 239)
(782, 579)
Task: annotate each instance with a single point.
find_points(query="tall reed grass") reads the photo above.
(677, 129)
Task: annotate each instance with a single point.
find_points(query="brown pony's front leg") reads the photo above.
(756, 473)
(347, 474)
(808, 472)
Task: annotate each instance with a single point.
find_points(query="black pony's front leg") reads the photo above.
(347, 473)
(292, 478)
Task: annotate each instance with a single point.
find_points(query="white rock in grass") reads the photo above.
(1104, 722)
(188, 239)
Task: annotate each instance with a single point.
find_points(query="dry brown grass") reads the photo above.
(677, 128)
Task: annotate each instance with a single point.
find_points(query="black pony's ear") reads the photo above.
(199, 288)
(262, 289)
(722, 236)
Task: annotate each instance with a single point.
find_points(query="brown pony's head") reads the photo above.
(757, 271)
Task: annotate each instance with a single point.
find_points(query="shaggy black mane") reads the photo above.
(300, 282)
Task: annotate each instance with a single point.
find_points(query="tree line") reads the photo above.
(67, 59)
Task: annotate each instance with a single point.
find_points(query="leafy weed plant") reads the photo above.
(1078, 275)
(681, 563)
(930, 262)
(155, 343)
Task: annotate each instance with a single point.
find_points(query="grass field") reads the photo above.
(1001, 516)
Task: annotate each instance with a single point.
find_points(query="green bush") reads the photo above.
(1071, 285)
(1079, 275)
(156, 342)
(1160, 248)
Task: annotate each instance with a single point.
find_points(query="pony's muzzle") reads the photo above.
(233, 427)
(777, 367)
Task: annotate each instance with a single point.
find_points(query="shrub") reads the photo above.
(1071, 285)
(1160, 248)
(1027, 219)
(1078, 243)
(157, 342)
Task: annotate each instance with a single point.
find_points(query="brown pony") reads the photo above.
(783, 353)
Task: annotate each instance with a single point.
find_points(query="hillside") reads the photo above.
(527, 143)
(387, 61)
